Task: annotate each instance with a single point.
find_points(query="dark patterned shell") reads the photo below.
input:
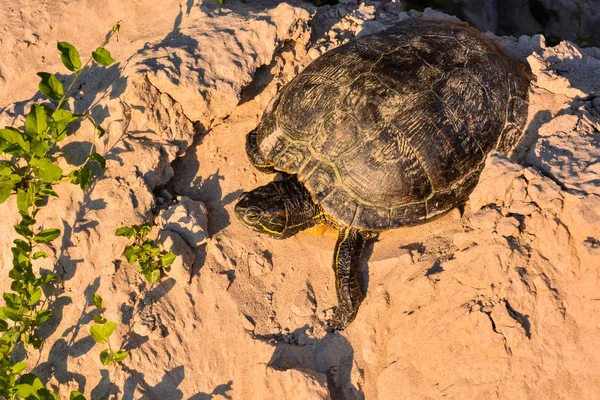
(392, 129)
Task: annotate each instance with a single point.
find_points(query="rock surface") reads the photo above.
(188, 218)
(500, 302)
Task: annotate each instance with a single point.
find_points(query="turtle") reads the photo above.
(385, 131)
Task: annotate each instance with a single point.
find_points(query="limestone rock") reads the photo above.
(289, 384)
(188, 218)
(500, 302)
(171, 241)
(259, 264)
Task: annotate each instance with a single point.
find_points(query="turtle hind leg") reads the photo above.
(255, 157)
(348, 252)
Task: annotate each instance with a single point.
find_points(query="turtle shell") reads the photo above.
(392, 129)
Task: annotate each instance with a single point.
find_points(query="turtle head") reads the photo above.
(263, 209)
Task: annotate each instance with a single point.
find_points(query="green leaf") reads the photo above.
(60, 119)
(106, 357)
(15, 150)
(69, 56)
(11, 136)
(119, 356)
(63, 116)
(12, 314)
(12, 300)
(153, 276)
(6, 188)
(102, 56)
(35, 123)
(99, 319)
(167, 259)
(22, 245)
(154, 251)
(43, 316)
(18, 287)
(143, 230)
(59, 132)
(39, 147)
(98, 302)
(42, 280)
(45, 394)
(51, 86)
(99, 159)
(39, 254)
(16, 275)
(148, 245)
(34, 340)
(20, 260)
(48, 192)
(109, 328)
(35, 297)
(24, 391)
(32, 189)
(97, 333)
(23, 202)
(5, 169)
(125, 231)
(100, 130)
(75, 395)
(131, 253)
(3, 325)
(47, 171)
(47, 235)
(19, 367)
(81, 177)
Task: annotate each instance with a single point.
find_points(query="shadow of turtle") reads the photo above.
(331, 355)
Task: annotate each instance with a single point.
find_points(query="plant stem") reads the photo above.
(79, 71)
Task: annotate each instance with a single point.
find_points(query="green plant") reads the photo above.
(28, 167)
(152, 261)
(101, 332)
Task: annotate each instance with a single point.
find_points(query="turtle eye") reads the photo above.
(253, 214)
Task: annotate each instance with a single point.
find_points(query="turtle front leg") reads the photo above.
(254, 155)
(348, 252)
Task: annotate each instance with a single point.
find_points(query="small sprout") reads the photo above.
(98, 302)
(152, 260)
(35, 123)
(101, 332)
(98, 159)
(51, 86)
(47, 235)
(102, 57)
(69, 56)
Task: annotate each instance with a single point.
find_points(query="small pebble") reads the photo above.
(259, 264)
(507, 226)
